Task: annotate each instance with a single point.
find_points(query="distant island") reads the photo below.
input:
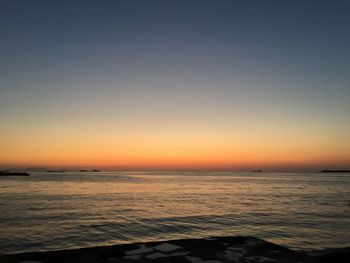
(335, 171)
(87, 171)
(36, 169)
(9, 173)
(55, 171)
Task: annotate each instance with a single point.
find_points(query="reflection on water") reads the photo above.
(72, 209)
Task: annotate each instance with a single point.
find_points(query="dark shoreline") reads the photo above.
(9, 173)
(335, 171)
(205, 250)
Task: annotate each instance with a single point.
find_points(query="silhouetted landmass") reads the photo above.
(34, 169)
(9, 173)
(87, 171)
(256, 171)
(335, 171)
(55, 171)
(216, 249)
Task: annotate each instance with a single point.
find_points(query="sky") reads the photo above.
(175, 84)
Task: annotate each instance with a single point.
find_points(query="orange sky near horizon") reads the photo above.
(173, 148)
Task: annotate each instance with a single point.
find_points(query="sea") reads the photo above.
(55, 211)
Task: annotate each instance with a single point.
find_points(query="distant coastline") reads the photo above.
(9, 173)
(335, 171)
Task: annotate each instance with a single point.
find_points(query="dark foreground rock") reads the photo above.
(209, 250)
(336, 255)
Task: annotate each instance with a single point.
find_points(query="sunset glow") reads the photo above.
(222, 94)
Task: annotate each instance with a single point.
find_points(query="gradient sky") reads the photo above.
(175, 84)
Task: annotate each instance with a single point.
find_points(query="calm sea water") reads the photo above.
(49, 211)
